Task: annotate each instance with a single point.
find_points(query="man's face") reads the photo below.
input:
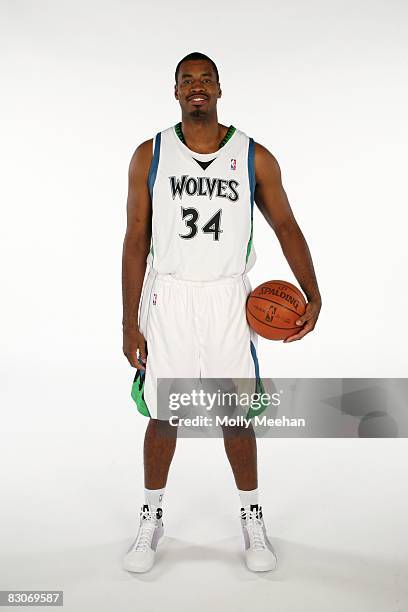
(197, 89)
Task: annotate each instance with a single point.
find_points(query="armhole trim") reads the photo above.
(251, 170)
(251, 177)
(154, 164)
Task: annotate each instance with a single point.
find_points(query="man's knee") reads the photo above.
(161, 428)
(238, 431)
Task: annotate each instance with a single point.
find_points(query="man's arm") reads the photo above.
(136, 247)
(272, 201)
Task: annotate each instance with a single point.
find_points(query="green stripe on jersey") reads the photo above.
(230, 132)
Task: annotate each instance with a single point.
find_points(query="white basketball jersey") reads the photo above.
(202, 207)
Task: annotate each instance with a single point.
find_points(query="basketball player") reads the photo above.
(191, 194)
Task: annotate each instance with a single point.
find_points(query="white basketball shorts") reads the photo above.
(195, 330)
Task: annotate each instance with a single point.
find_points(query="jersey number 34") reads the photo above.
(213, 225)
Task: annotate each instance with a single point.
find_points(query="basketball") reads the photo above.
(273, 308)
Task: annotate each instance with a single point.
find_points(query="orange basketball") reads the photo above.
(273, 308)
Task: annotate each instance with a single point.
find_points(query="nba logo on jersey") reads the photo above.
(233, 164)
(154, 299)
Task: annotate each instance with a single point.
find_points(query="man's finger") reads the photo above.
(305, 317)
(139, 366)
(134, 361)
(307, 328)
(142, 351)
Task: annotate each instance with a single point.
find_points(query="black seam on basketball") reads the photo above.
(258, 297)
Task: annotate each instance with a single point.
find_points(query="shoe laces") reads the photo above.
(146, 529)
(254, 526)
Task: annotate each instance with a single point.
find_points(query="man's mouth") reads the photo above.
(197, 99)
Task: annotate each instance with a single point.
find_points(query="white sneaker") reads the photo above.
(140, 556)
(259, 553)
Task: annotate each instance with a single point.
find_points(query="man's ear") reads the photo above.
(219, 91)
(175, 92)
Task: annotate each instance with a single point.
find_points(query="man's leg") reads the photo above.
(159, 446)
(168, 323)
(240, 446)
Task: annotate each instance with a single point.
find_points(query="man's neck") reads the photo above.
(203, 136)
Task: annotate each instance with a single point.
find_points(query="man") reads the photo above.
(189, 216)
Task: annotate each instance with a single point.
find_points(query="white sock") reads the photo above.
(248, 498)
(154, 497)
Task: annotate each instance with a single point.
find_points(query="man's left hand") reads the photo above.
(307, 321)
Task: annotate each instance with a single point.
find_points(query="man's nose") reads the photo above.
(197, 85)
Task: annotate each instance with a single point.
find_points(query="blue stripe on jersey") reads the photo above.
(155, 164)
(251, 170)
(255, 358)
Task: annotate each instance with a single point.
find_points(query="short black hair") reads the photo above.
(196, 55)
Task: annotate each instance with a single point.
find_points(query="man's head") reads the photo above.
(197, 86)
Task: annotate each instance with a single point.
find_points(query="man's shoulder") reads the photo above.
(263, 153)
(265, 163)
(142, 157)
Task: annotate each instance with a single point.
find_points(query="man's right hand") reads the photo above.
(134, 342)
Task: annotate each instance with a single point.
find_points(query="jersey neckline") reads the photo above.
(204, 156)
